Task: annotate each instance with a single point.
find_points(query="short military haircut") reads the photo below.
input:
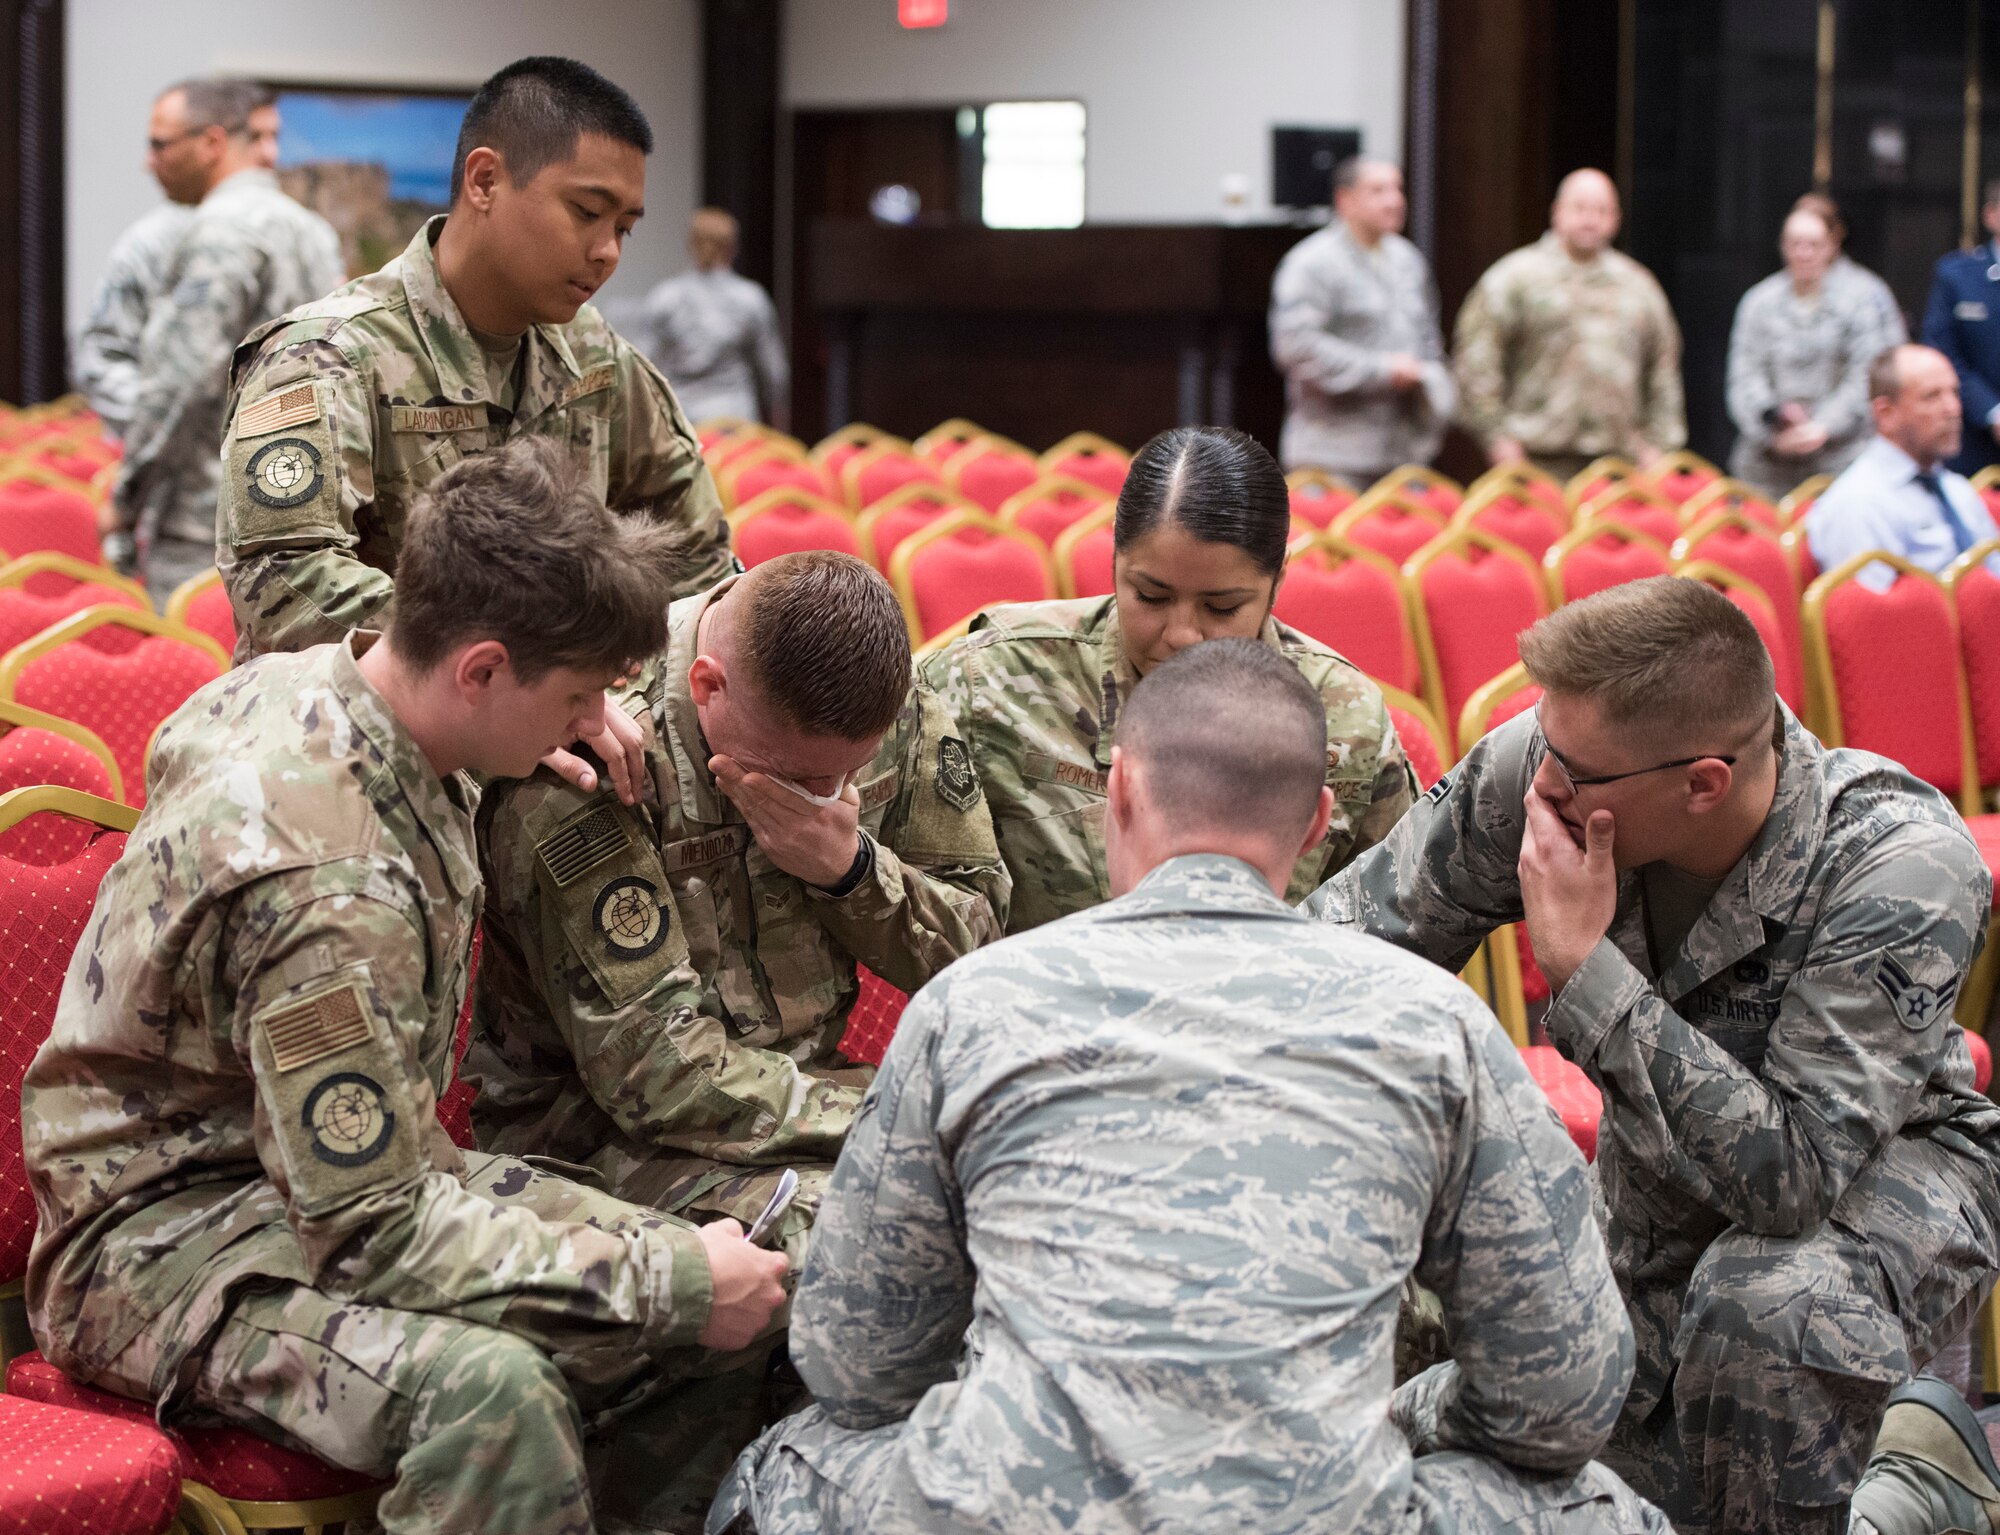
(1668, 659)
(825, 643)
(515, 545)
(220, 102)
(1228, 735)
(534, 111)
(1885, 370)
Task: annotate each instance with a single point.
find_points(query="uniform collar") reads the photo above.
(1769, 881)
(442, 806)
(454, 353)
(1117, 676)
(1200, 882)
(250, 178)
(675, 716)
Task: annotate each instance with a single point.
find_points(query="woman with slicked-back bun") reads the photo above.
(1199, 549)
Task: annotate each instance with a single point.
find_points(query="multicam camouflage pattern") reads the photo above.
(1117, 1242)
(1036, 688)
(1814, 352)
(239, 1094)
(105, 364)
(691, 1053)
(1570, 358)
(249, 254)
(1800, 1179)
(1337, 311)
(346, 410)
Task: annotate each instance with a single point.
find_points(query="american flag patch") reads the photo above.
(291, 408)
(312, 1030)
(582, 845)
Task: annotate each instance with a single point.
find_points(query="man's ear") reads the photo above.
(1121, 786)
(1708, 782)
(706, 678)
(1322, 818)
(477, 668)
(483, 170)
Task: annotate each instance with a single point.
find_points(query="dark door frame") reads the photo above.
(33, 365)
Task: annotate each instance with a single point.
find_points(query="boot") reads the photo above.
(1932, 1472)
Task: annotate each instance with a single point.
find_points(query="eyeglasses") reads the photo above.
(161, 146)
(1584, 781)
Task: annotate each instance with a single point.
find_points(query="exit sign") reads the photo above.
(922, 13)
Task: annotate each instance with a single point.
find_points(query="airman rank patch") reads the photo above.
(284, 473)
(582, 844)
(312, 1030)
(1438, 790)
(957, 784)
(628, 913)
(1917, 1007)
(291, 407)
(349, 1119)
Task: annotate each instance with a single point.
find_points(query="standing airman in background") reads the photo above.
(714, 332)
(1962, 320)
(664, 988)
(1567, 350)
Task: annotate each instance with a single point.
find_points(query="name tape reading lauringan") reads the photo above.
(436, 418)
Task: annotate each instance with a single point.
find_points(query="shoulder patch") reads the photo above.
(957, 785)
(349, 1119)
(288, 407)
(315, 1028)
(1917, 1007)
(285, 472)
(630, 917)
(582, 843)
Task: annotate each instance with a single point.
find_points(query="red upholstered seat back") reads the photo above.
(890, 471)
(122, 698)
(1979, 635)
(42, 915)
(988, 475)
(1606, 561)
(1477, 603)
(769, 473)
(1680, 485)
(1394, 529)
(1895, 675)
(1356, 607)
(1520, 701)
(209, 613)
(1760, 559)
(894, 524)
(1048, 515)
(1104, 470)
(1440, 497)
(1571, 1094)
(1642, 515)
(787, 527)
(23, 614)
(872, 1023)
(1420, 745)
(1990, 494)
(35, 516)
(1528, 525)
(28, 757)
(1319, 504)
(1785, 663)
(1090, 561)
(960, 572)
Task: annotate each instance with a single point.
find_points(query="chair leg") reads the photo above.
(207, 1512)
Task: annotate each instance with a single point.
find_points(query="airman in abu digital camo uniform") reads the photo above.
(664, 988)
(1754, 944)
(247, 1207)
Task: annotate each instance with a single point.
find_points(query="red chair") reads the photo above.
(746, 478)
(1793, 508)
(740, 446)
(882, 469)
(1635, 508)
(1084, 555)
(75, 1473)
(1679, 477)
(1092, 459)
(1494, 703)
(37, 515)
(1417, 728)
(1318, 497)
(38, 749)
(871, 1024)
(1392, 526)
(787, 520)
(454, 1107)
(961, 563)
(1051, 507)
(1734, 541)
(122, 698)
(1787, 664)
(1598, 476)
(947, 440)
(201, 603)
(1601, 555)
(1470, 595)
(1424, 487)
(835, 451)
(990, 471)
(1731, 496)
(899, 514)
(712, 430)
(39, 590)
(1987, 483)
(1573, 1096)
(1352, 599)
(1526, 521)
(1975, 594)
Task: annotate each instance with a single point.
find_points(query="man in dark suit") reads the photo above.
(1962, 320)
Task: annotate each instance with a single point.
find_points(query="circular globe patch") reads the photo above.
(284, 473)
(349, 1119)
(629, 915)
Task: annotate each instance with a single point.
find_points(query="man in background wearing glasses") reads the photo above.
(1753, 944)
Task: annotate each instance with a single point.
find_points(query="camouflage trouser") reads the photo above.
(700, 1190)
(808, 1475)
(1761, 1384)
(482, 1428)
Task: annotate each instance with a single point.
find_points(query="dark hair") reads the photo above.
(1347, 174)
(1885, 371)
(220, 102)
(515, 545)
(1230, 735)
(1828, 211)
(1216, 482)
(533, 112)
(826, 644)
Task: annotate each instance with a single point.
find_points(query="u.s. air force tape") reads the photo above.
(628, 913)
(285, 472)
(349, 1119)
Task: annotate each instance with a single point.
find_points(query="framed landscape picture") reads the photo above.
(374, 161)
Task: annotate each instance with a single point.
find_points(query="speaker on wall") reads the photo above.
(1302, 162)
